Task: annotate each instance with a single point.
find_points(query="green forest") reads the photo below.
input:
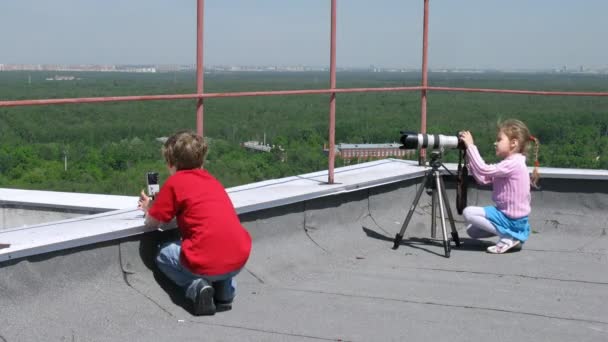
(109, 147)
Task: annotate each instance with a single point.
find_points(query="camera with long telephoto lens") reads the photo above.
(413, 140)
(439, 142)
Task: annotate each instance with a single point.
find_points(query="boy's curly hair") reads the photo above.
(185, 150)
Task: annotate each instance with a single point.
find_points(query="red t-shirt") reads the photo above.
(213, 240)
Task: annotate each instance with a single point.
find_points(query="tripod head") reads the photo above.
(435, 161)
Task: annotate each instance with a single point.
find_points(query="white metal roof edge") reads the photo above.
(329, 192)
(117, 224)
(247, 198)
(314, 185)
(320, 176)
(101, 202)
(50, 237)
(73, 219)
(556, 172)
(66, 200)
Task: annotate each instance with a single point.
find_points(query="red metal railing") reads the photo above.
(425, 75)
(200, 17)
(17, 103)
(332, 90)
(332, 97)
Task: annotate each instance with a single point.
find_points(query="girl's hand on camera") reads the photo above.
(467, 138)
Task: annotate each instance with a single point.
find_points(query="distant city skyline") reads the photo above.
(471, 34)
(154, 68)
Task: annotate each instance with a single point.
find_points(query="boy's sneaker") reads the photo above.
(221, 306)
(203, 304)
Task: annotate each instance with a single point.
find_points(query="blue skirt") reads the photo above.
(514, 228)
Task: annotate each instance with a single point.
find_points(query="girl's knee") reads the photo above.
(468, 213)
(471, 211)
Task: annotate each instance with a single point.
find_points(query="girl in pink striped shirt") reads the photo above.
(510, 187)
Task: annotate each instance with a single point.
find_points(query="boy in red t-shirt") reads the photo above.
(214, 246)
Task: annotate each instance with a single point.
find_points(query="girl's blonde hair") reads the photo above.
(185, 150)
(515, 129)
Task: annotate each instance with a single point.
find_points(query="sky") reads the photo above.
(502, 34)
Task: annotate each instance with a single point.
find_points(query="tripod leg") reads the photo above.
(446, 242)
(455, 236)
(399, 235)
(434, 214)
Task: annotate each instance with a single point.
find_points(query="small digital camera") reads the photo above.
(152, 181)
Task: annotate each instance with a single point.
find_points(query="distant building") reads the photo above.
(78, 67)
(256, 146)
(370, 151)
(259, 146)
(62, 78)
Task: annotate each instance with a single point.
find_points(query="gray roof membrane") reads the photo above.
(323, 269)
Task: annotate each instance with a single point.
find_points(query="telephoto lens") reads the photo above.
(412, 140)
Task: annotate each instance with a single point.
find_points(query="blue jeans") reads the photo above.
(168, 262)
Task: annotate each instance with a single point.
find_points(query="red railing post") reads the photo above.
(200, 16)
(425, 77)
(332, 96)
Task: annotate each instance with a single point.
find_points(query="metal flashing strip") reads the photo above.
(84, 230)
(278, 192)
(562, 173)
(60, 235)
(128, 221)
(66, 200)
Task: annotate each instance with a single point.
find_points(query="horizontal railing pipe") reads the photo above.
(15, 103)
(519, 92)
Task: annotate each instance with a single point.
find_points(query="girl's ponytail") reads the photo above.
(535, 173)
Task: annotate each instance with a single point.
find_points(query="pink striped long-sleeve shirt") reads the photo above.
(510, 181)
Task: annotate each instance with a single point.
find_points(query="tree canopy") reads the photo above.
(109, 147)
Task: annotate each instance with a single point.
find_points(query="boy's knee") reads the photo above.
(160, 258)
(168, 254)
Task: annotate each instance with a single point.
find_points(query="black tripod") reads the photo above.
(434, 181)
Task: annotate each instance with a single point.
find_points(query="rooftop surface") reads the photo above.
(322, 268)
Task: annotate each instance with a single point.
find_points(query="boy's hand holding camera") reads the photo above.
(145, 202)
